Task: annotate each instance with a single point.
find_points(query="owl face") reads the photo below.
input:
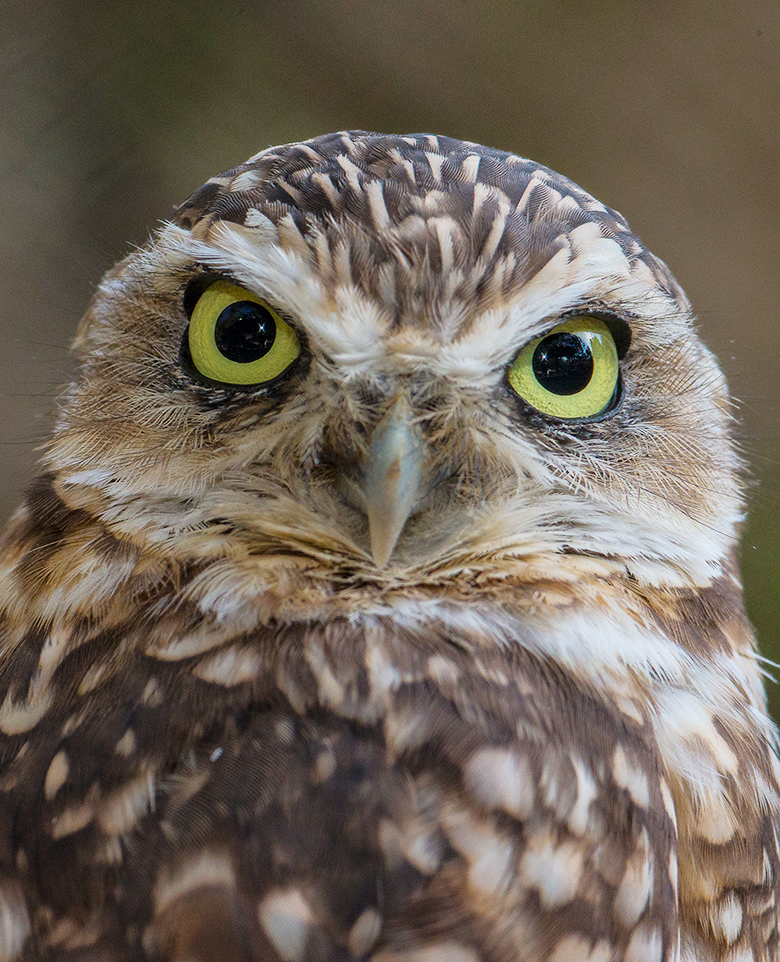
(405, 360)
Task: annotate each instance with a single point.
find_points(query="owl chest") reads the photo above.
(380, 773)
(368, 763)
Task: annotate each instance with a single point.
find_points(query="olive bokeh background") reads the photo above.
(668, 111)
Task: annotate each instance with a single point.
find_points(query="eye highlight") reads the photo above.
(572, 372)
(235, 337)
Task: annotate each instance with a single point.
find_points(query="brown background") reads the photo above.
(112, 112)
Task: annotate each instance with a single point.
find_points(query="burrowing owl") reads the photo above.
(377, 598)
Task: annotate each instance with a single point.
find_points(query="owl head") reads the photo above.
(401, 361)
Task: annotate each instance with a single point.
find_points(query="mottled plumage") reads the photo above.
(379, 661)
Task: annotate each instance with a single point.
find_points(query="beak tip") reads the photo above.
(380, 561)
(392, 482)
(382, 540)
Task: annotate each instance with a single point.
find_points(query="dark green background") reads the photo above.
(668, 111)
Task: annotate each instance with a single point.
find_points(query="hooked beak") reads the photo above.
(392, 479)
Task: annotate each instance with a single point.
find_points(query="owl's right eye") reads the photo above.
(571, 373)
(236, 338)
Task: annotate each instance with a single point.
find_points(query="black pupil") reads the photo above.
(244, 332)
(563, 363)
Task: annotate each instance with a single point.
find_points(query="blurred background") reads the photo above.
(111, 113)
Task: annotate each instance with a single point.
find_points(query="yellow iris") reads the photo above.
(571, 372)
(236, 338)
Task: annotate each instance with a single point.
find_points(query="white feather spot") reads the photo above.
(126, 744)
(331, 690)
(668, 800)
(324, 767)
(122, 809)
(645, 945)
(286, 917)
(56, 774)
(443, 670)
(470, 167)
(500, 778)
(691, 744)
(14, 921)
(580, 948)
(414, 842)
(72, 820)
(376, 201)
(92, 678)
(405, 730)
(435, 161)
(489, 854)
(17, 717)
(587, 792)
(494, 237)
(491, 871)
(364, 933)
(246, 180)
(327, 186)
(717, 820)
(673, 871)
(634, 889)
(186, 645)
(351, 170)
(152, 695)
(727, 919)
(260, 222)
(422, 849)
(628, 776)
(204, 870)
(231, 666)
(444, 228)
(553, 870)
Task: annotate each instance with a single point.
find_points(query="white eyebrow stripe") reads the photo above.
(357, 332)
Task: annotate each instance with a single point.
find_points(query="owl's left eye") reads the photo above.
(236, 338)
(570, 373)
